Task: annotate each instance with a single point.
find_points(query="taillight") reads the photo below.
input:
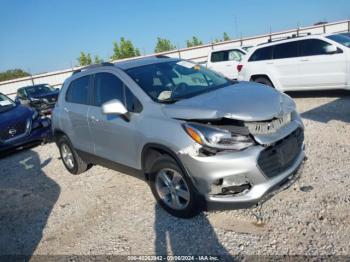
(239, 68)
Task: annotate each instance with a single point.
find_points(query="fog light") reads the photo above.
(235, 184)
(235, 189)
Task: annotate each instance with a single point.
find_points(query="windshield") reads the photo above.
(39, 90)
(6, 103)
(176, 80)
(341, 39)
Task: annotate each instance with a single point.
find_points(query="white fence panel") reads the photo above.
(197, 54)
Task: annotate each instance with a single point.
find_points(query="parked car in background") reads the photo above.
(199, 139)
(20, 125)
(300, 63)
(225, 61)
(41, 97)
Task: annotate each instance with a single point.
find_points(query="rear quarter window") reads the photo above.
(78, 91)
(261, 54)
(219, 56)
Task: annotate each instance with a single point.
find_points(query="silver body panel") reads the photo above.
(120, 141)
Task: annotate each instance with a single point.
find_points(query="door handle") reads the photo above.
(228, 65)
(66, 109)
(304, 60)
(270, 63)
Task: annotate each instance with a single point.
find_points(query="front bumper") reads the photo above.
(237, 168)
(43, 108)
(40, 132)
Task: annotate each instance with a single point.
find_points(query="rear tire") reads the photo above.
(70, 158)
(172, 188)
(264, 81)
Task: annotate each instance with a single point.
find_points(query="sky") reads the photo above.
(45, 35)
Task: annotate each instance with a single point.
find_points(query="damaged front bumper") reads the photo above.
(241, 179)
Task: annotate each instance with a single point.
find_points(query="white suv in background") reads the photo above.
(225, 61)
(300, 63)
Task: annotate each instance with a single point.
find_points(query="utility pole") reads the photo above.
(236, 26)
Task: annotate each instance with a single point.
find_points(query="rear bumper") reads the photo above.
(41, 132)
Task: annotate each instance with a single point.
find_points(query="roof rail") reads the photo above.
(285, 38)
(162, 56)
(93, 66)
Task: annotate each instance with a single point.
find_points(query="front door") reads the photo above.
(319, 69)
(114, 137)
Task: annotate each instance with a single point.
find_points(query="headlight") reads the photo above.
(45, 100)
(217, 138)
(34, 99)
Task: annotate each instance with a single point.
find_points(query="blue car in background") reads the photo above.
(21, 125)
(41, 97)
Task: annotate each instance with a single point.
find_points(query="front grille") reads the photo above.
(279, 157)
(13, 130)
(268, 127)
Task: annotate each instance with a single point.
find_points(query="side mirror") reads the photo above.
(114, 107)
(331, 49)
(17, 101)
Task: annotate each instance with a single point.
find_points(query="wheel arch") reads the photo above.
(256, 76)
(153, 150)
(57, 133)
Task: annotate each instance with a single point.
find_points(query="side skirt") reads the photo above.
(96, 160)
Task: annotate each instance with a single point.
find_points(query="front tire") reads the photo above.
(173, 189)
(70, 158)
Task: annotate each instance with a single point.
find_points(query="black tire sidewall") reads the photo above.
(264, 81)
(193, 207)
(65, 140)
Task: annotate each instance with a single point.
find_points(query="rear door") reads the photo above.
(319, 69)
(75, 111)
(285, 65)
(225, 62)
(115, 138)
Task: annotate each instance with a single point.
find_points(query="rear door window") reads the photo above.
(219, 56)
(311, 47)
(286, 50)
(107, 87)
(78, 91)
(261, 54)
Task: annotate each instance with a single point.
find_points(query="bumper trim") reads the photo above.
(258, 193)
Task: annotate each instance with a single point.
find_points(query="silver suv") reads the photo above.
(200, 140)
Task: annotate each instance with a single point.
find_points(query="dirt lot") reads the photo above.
(45, 210)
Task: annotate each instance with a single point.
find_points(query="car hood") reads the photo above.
(16, 114)
(50, 95)
(244, 101)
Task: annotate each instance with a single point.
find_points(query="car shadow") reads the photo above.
(338, 109)
(184, 237)
(27, 197)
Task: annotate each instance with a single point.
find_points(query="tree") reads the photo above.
(226, 37)
(124, 49)
(193, 42)
(163, 45)
(12, 74)
(84, 59)
(98, 60)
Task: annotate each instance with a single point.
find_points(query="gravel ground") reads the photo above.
(45, 210)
